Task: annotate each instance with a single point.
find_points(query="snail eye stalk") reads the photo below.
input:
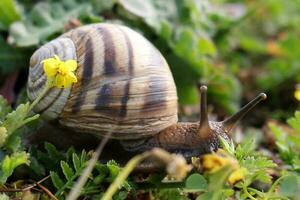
(229, 123)
(203, 107)
(204, 130)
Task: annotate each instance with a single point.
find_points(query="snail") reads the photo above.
(124, 85)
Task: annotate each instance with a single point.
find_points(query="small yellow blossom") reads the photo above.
(297, 92)
(213, 162)
(61, 72)
(237, 175)
(297, 95)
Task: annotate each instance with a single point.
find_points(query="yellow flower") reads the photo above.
(61, 72)
(213, 162)
(237, 176)
(297, 92)
(297, 95)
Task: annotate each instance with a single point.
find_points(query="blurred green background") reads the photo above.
(237, 48)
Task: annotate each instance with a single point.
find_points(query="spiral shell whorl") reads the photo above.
(52, 104)
(124, 84)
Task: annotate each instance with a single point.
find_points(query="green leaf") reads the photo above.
(259, 162)
(15, 119)
(36, 167)
(13, 142)
(67, 170)
(215, 190)
(69, 155)
(76, 162)
(288, 144)
(196, 182)
(277, 131)
(114, 169)
(257, 167)
(4, 197)
(12, 58)
(245, 149)
(296, 163)
(100, 5)
(205, 196)
(207, 47)
(290, 186)
(151, 12)
(99, 179)
(10, 162)
(83, 157)
(252, 44)
(56, 180)
(45, 20)
(295, 122)
(4, 108)
(168, 194)
(102, 169)
(218, 179)
(53, 153)
(120, 195)
(8, 13)
(186, 42)
(228, 192)
(228, 147)
(3, 136)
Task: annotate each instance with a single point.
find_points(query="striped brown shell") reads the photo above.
(124, 83)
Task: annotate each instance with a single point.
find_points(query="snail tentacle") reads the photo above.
(204, 130)
(229, 123)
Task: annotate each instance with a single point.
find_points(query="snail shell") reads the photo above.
(124, 83)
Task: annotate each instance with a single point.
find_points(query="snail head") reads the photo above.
(211, 130)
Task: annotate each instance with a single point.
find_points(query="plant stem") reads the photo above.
(124, 174)
(41, 95)
(27, 120)
(247, 193)
(273, 187)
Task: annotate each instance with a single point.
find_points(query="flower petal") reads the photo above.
(50, 66)
(57, 58)
(69, 79)
(237, 176)
(60, 81)
(63, 69)
(297, 94)
(71, 65)
(213, 162)
(71, 76)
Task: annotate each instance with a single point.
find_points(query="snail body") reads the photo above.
(124, 86)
